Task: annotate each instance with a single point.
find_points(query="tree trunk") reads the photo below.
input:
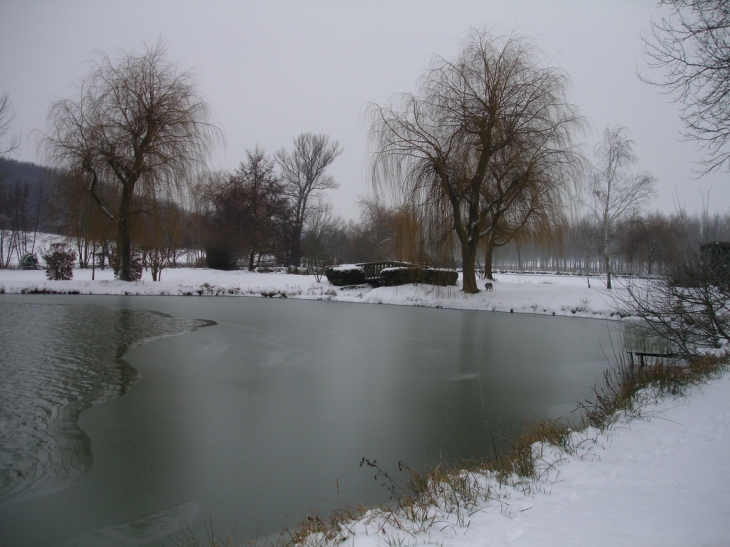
(469, 276)
(488, 259)
(607, 262)
(606, 255)
(295, 256)
(124, 242)
(251, 256)
(93, 261)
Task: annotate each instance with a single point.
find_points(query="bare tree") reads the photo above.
(303, 173)
(483, 128)
(138, 122)
(261, 205)
(532, 208)
(319, 239)
(585, 237)
(651, 239)
(614, 192)
(161, 237)
(691, 48)
(15, 216)
(690, 307)
(377, 227)
(82, 220)
(245, 211)
(201, 207)
(22, 204)
(6, 119)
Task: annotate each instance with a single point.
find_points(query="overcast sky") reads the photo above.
(272, 70)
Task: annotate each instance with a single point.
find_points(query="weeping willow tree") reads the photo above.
(137, 124)
(420, 236)
(534, 209)
(487, 135)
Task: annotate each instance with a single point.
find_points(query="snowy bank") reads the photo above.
(519, 293)
(660, 480)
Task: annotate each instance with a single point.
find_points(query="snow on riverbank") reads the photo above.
(541, 294)
(661, 480)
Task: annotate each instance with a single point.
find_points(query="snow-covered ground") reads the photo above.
(536, 293)
(661, 480)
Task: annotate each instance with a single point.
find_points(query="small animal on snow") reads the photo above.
(489, 286)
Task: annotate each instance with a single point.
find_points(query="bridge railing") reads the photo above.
(373, 269)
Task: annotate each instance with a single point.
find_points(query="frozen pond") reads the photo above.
(259, 418)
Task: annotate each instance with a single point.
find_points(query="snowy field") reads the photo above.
(541, 294)
(661, 480)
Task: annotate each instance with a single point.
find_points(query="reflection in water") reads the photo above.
(68, 360)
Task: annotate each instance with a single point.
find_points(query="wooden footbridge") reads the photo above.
(389, 273)
(373, 269)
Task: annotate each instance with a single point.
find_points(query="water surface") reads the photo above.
(259, 418)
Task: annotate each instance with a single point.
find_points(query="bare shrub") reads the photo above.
(60, 260)
(689, 309)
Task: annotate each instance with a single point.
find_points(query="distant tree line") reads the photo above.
(648, 243)
(242, 220)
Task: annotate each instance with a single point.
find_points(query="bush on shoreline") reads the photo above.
(60, 260)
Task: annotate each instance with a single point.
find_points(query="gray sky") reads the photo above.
(272, 70)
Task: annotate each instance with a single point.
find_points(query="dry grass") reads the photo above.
(628, 389)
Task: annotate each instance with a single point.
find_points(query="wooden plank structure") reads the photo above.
(643, 354)
(373, 269)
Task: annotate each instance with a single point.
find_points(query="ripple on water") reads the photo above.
(56, 361)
